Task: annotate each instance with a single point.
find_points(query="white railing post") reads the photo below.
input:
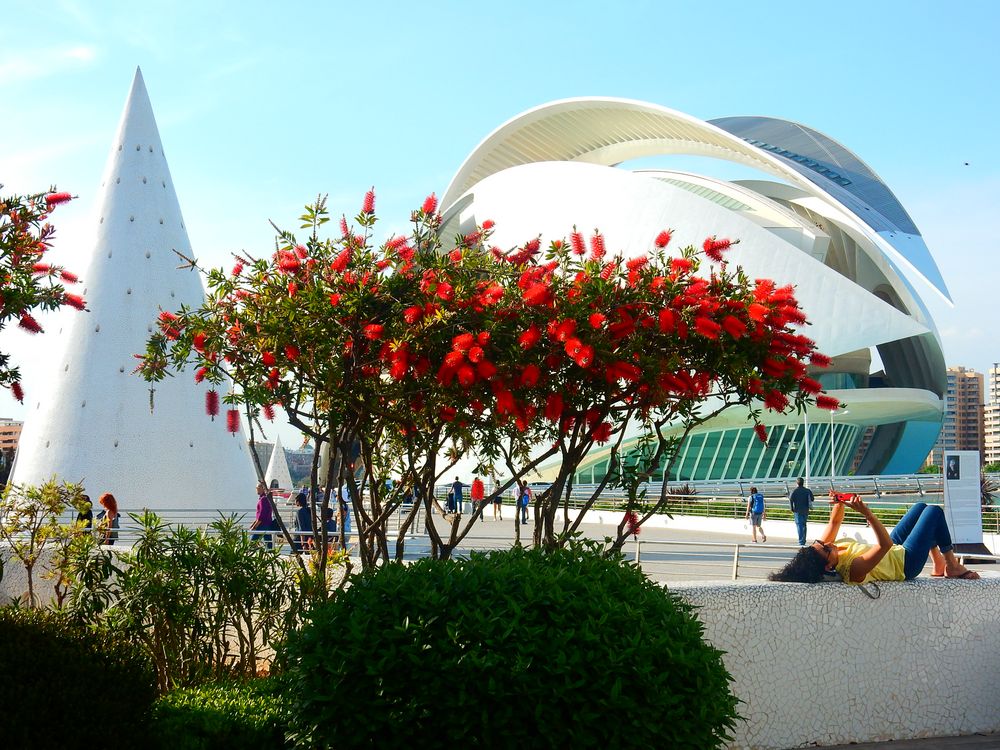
(736, 561)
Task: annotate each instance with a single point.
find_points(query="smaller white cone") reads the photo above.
(277, 467)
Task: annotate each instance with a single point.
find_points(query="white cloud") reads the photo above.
(19, 67)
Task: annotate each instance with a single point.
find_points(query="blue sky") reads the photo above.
(262, 107)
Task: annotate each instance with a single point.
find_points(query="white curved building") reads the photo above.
(817, 217)
(151, 445)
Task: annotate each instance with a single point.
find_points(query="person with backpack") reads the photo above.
(756, 512)
(523, 501)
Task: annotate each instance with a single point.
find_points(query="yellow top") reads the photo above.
(889, 568)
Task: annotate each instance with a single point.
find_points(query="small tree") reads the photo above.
(29, 522)
(27, 282)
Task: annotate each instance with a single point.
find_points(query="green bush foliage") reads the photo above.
(222, 716)
(64, 686)
(518, 648)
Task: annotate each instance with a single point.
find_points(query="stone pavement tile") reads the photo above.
(965, 742)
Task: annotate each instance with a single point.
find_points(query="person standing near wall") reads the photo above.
(477, 492)
(756, 512)
(801, 502)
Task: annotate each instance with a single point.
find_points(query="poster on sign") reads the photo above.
(962, 502)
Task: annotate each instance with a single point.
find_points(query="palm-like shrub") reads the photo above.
(508, 649)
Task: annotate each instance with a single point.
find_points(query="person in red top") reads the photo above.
(477, 492)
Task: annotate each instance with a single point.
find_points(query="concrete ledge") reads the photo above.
(824, 664)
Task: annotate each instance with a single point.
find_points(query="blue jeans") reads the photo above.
(800, 525)
(922, 528)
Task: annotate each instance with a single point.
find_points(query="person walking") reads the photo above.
(801, 502)
(303, 522)
(497, 502)
(523, 501)
(756, 512)
(264, 519)
(456, 494)
(476, 493)
(107, 519)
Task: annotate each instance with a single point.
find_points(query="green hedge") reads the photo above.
(247, 715)
(63, 686)
(518, 648)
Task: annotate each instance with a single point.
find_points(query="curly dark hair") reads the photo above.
(807, 566)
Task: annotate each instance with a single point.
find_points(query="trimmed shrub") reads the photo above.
(518, 648)
(222, 716)
(63, 686)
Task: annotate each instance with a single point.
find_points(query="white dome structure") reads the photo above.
(826, 224)
(277, 467)
(151, 445)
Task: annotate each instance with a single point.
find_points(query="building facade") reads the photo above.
(10, 434)
(962, 429)
(816, 216)
(991, 418)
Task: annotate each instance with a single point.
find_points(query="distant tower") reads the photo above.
(152, 445)
(277, 467)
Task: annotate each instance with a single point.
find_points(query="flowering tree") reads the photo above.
(390, 356)
(27, 282)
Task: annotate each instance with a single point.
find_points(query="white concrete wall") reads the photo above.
(823, 664)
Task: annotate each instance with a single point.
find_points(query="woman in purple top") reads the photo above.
(264, 520)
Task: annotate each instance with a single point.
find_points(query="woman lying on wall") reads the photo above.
(894, 557)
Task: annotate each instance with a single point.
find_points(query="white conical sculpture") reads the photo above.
(277, 467)
(151, 445)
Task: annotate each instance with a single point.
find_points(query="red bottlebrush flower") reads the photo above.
(775, 401)
(198, 341)
(68, 276)
(602, 433)
(663, 238)
(667, 320)
(292, 352)
(820, 360)
(483, 338)
(537, 294)
(637, 263)
(268, 359)
(413, 313)
(238, 268)
(212, 404)
(301, 251)
(345, 231)
(340, 262)
(75, 300)
(397, 371)
(293, 288)
(597, 320)
(430, 204)
(553, 407)
(608, 270)
(573, 347)
(681, 266)
(757, 312)
(761, 433)
(372, 331)
(470, 239)
(268, 411)
(29, 324)
(792, 314)
(200, 374)
(810, 386)
(476, 354)
(40, 268)
(576, 241)
(529, 338)
(454, 359)
(334, 299)
(827, 402)
(632, 523)
(564, 330)
(455, 256)
(734, 326)
(488, 224)
(486, 369)
(167, 317)
(597, 249)
(585, 357)
(289, 263)
(448, 413)
(707, 327)
(466, 376)
(17, 391)
(714, 248)
(463, 342)
(533, 245)
(55, 199)
(233, 420)
(763, 288)
(368, 207)
(530, 376)
(445, 291)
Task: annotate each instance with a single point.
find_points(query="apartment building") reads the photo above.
(991, 418)
(962, 429)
